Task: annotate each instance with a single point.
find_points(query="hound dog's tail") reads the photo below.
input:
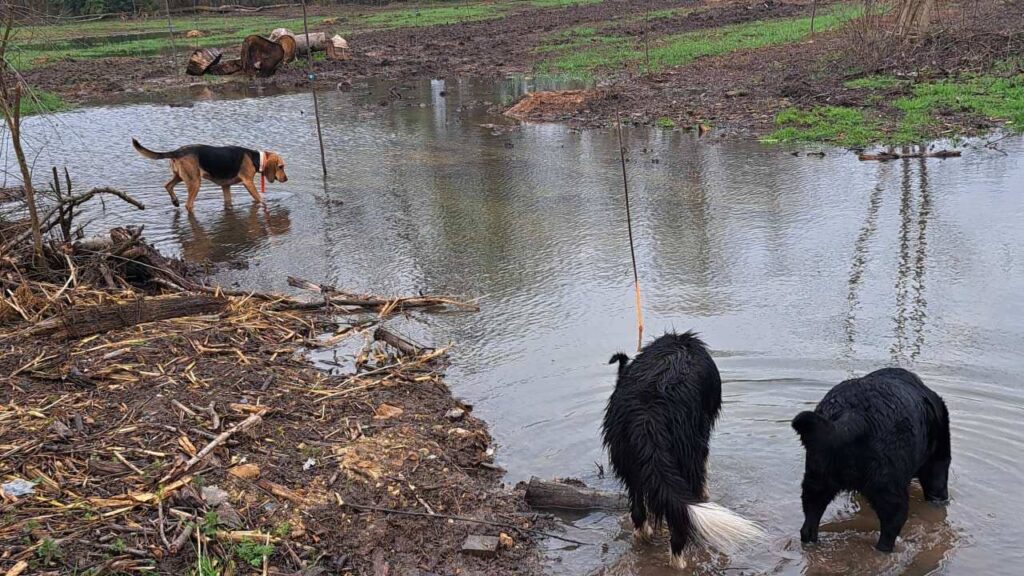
(149, 153)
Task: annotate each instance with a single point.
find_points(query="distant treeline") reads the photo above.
(96, 7)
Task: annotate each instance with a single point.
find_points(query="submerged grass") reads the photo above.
(684, 48)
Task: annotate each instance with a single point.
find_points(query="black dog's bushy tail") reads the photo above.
(149, 153)
(622, 359)
(819, 433)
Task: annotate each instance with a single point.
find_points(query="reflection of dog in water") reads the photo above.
(657, 428)
(874, 435)
(222, 165)
(232, 234)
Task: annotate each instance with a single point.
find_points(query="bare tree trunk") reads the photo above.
(913, 16)
(10, 106)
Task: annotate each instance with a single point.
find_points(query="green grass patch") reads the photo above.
(664, 122)
(877, 82)
(560, 3)
(252, 553)
(433, 16)
(990, 97)
(667, 13)
(41, 102)
(838, 125)
(684, 48)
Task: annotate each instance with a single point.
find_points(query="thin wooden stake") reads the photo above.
(312, 83)
(814, 10)
(170, 33)
(629, 227)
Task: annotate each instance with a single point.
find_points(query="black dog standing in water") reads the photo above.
(873, 435)
(657, 428)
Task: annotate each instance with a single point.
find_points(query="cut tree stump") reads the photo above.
(78, 323)
(201, 60)
(261, 56)
(562, 496)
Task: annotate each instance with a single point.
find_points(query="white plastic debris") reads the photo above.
(309, 463)
(18, 487)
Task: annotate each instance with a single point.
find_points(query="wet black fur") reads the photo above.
(657, 428)
(220, 162)
(873, 435)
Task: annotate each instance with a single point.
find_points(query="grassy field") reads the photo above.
(611, 52)
(37, 45)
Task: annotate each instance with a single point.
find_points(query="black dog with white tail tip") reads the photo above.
(657, 428)
(873, 435)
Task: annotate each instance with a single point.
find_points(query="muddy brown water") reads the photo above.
(798, 271)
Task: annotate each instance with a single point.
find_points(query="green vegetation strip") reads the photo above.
(684, 48)
(990, 97)
(41, 102)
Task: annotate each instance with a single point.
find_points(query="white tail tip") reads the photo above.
(722, 529)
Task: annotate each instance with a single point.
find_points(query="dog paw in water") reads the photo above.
(645, 533)
(677, 561)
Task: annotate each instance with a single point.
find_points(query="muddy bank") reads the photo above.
(741, 93)
(150, 423)
(488, 48)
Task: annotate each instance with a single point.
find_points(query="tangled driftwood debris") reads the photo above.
(158, 421)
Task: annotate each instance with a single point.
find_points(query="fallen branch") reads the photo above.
(464, 519)
(887, 156)
(106, 317)
(249, 422)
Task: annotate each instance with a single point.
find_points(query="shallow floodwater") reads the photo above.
(798, 271)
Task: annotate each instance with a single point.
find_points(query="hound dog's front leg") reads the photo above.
(247, 182)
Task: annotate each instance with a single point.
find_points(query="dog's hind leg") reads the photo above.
(226, 189)
(891, 506)
(815, 500)
(193, 191)
(934, 477)
(174, 181)
(642, 528)
(680, 528)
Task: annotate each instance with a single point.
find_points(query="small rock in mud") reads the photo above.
(482, 546)
(245, 471)
(455, 414)
(214, 495)
(387, 411)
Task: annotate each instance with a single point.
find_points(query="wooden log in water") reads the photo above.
(562, 496)
(400, 343)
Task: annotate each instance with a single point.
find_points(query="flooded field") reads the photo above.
(798, 271)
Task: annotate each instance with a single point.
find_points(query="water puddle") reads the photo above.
(798, 271)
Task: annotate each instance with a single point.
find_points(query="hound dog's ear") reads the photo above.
(270, 164)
